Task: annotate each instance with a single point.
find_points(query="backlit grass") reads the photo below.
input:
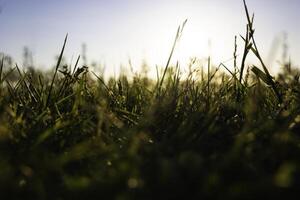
(216, 134)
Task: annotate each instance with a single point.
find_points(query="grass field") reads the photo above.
(215, 134)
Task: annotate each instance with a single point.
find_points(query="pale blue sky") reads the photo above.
(116, 30)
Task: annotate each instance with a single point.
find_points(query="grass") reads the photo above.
(71, 135)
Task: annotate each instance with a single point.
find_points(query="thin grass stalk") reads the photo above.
(1, 69)
(76, 65)
(169, 59)
(56, 69)
(246, 51)
(177, 37)
(256, 52)
(235, 63)
(208, 83)
(62, 88)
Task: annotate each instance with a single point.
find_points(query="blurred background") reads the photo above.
(109, 33)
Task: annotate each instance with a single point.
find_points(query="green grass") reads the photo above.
(215, 134)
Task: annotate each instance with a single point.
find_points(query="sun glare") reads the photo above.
(152, 34)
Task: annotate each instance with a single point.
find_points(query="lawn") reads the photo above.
(215, 133)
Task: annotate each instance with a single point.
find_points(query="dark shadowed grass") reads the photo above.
(212, 135)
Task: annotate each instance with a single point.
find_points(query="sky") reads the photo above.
(115, 31)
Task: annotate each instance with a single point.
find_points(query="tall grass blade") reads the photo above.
(101, 81)
(246, 51)
(208, 83)
(257, 54)
(1, 69)
(56, 69)
(76, 64)
(177, 37)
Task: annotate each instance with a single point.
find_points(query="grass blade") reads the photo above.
(56, 69)
(257, 54)
(1, 69)
(177, 37)
(261, 75)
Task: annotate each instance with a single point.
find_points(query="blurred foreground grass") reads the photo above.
(71, 135)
